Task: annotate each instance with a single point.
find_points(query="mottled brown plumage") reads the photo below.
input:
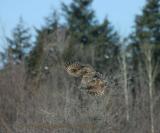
(96, 86)
(92, 81)
(74, 69)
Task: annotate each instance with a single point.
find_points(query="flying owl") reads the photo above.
(91, 80)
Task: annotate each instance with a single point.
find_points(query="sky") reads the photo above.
(121, 13)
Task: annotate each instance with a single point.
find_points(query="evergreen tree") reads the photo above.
(106, 41)
(36, 54)
(44, 36)
(52, 22)
(147, 31)
(80, 19)
(147, 26)
(84, 29)
(2, 59)
(20, 42)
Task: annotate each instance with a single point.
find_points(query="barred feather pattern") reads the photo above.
(73, 69)
(96, 87)
(91, 80)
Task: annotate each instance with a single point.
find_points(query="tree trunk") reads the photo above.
(125, 85)
(151, 94)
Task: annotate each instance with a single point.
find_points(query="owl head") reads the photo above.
(74, 69)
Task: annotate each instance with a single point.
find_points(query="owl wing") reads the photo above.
(96, 87)
(96, 92)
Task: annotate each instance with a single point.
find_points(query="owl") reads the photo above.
(91, 80)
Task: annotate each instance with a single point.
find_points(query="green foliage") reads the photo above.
(89, 41)
(106, 42)
(2, 58)
(147, 27)
(34, 60)
(80, 19)
(36, 56)
(85, 30)
(52, 22)
(147, 31)
(20, 42)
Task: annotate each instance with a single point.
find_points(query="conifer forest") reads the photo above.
(37, 95)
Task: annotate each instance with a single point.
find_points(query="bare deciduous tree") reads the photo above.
(152, 71)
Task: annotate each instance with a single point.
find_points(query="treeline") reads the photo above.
(131, 66)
